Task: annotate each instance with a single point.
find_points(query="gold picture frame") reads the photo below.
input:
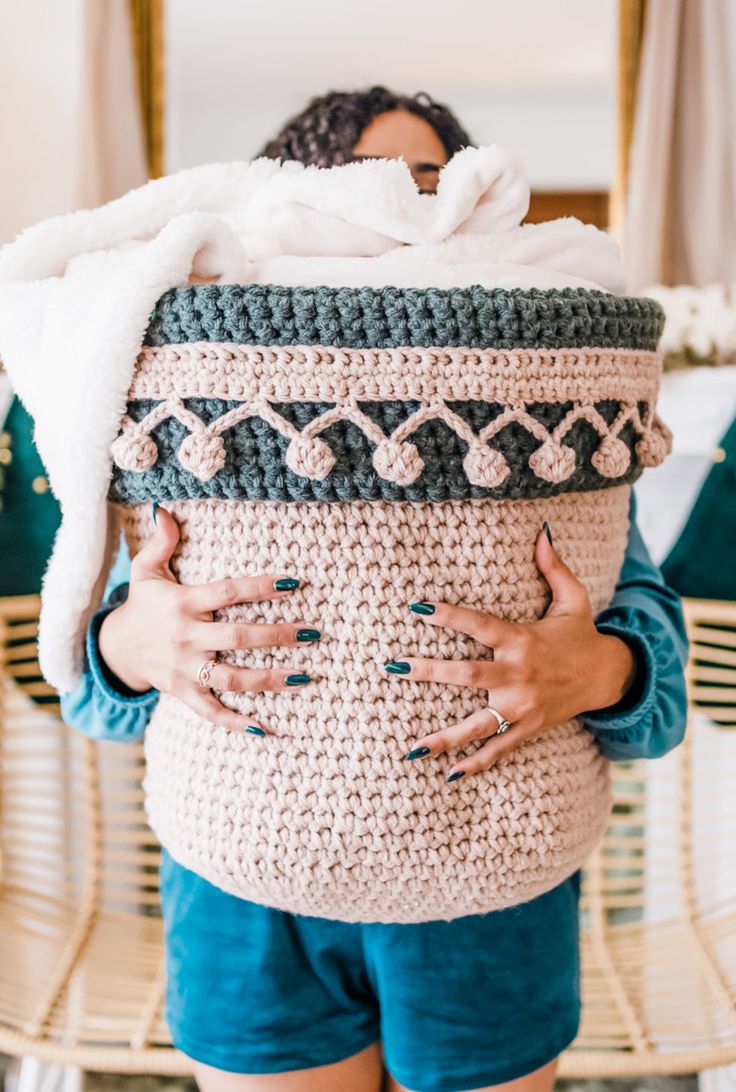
(147, 23)
(631, 16)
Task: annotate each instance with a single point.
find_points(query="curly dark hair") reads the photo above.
(330, 126)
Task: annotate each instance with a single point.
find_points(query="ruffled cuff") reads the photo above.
(650, 720)
(109, 684)
(101, 706)
(637, 701)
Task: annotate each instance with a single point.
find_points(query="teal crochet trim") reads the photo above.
(256, 465)
(380, 318)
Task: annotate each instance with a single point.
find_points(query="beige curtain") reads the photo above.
(680, 221)
(112, 152)
(70, 125)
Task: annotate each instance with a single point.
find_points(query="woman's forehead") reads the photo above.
(400, 133)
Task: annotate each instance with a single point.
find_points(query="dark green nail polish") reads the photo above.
(154, 506)
(398, 667)
(308, 635)
(255, 731)
(297, 680)
(421, 608)
(286, 583)
(454, 776)
(547, 531)
(418, 752)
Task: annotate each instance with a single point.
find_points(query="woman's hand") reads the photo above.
(542, 674)
(164, 631)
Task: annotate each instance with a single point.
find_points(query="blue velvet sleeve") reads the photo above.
(100, 706)
(646, 614)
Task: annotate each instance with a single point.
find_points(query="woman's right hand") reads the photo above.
(164, 631)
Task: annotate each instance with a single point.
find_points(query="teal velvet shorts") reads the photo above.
(457, 1004)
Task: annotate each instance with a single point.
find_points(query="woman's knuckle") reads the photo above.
(499, 746)
(525, 680)
(232, 635)
(482, 728)
(227, 679)
(526, 707)
(180, 611)
(187, 632)
(258, 587)
(265, 678)
(228, 590)
(476, 674)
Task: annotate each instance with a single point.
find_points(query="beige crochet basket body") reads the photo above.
(384, 446)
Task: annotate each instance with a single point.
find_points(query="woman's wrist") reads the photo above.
(612, 672)
(112, 641)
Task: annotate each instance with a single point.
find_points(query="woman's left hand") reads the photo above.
(542, 674)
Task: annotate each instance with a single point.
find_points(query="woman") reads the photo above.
(261, 999)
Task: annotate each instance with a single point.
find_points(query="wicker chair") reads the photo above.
(81, 961)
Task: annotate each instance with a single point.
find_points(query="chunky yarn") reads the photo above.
(385, 446)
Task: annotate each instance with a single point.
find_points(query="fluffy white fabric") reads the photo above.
(76, 293)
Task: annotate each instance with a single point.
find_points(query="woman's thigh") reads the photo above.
(362, 1072)
(542, 1080)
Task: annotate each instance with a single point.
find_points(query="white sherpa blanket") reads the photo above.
(76, 293)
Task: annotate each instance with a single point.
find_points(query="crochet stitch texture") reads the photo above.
(385, 446)
(273, 314)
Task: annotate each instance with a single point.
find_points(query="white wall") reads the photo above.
(534, 75)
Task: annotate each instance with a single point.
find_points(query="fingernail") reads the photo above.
(421, 608)
(286, 583)
(547, 532)
(254, 730)
(308, 635)
(418, 752)
(397, 667)
(297, 680)
(454, 776)
(154, 506)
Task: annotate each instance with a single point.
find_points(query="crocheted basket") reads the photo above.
(385, 446)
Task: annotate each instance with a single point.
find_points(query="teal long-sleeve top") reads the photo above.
(644, 612)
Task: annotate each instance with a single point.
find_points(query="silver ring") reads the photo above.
(503, 724)
(204, 675)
